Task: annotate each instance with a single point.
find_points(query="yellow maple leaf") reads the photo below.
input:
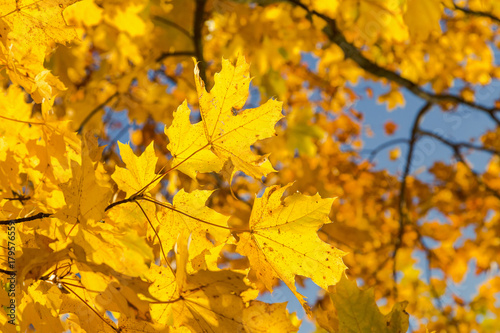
(85, 198)
(264, 317)
(15, 117)
(223, 136)
(28, 30)
(357, 311)
(33, 25)
(394, 98)
(189, 217)
(394, 154)
(140, 170)
(422, 18)
(201, 302)
(283, 241)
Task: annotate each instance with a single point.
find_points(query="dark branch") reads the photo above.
(7, 272)
(163, 56)
(379, 148)
(460, 158)
(402, 191)
(131, 199)
(198, 23)
(174, 25)
(437, 297)
(350, 51)
(458, 144)
(94, 111)
(455, 147)
(25, 219)
(477, 13)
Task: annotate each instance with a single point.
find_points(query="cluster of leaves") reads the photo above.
(185, 235)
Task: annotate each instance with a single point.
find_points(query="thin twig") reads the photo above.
(379, 148)
(477, 13)
(94, 111)
(25, 219)
(350, 51)
(460, 158)
(165, 55)
(198, 23)
(8, 272)
(458, 144)
(402, 191)
(174, 25)
(429, 255)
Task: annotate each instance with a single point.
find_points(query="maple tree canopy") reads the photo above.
(165, 166)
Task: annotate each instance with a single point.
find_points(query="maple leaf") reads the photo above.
(189, 217)
(390, 127)
(357, 311)
(14, 108)
(223, 137)
(422, 18)
(85, 198)
(28, 29)
(140, 170)
(263, 317)
(200, 302)
(394, 154)
(283, 242)
(35, 307)
(88, 320)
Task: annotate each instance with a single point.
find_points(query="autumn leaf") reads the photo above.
(263, 317)
(224, 135)
(189, 217)
(28, 29)
(199, 302)
(358, 312)
(199, 192)
(85, 198)
(140, 171)
(283, 242)
(394, 98)
(35, 307)
(390, 127)
(422, 18)
(394, 154)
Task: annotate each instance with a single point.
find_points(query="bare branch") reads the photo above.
(174, 25)
(477, 13)
(350, 51)
(198, 23)
(25, 219)
(163, 56)
(458, 144)
(402, 191)
(7, 272)
(379, 148)
(94, 111)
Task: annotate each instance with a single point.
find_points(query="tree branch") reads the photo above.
(379, 148)
(7, 272)
(437, 297)
(198, 23)
(454, 145)
(25, 219)
(165, 55)
(402, 191)
(460, 158)
(350, 51)
(94, 111)
(477, 13)
(174, 25)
